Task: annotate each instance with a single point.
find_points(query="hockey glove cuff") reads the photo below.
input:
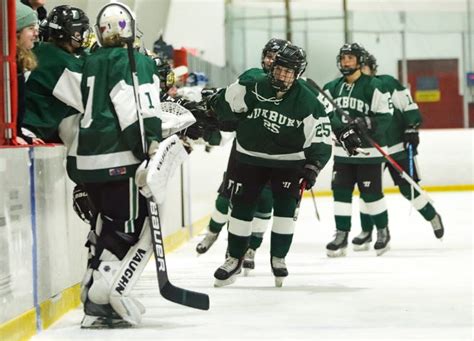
(363, 125)
(411, 136)
(309, 174)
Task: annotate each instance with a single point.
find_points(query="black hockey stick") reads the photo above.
(167, 290)
(395, 164)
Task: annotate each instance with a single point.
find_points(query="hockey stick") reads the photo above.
(315, 206)
(167, 289)
(374, 144)
(298, 203)
(411, 173)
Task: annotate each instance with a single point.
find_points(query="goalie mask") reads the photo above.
(353, 49)
(68, 24)
(288, 66)
(115, 24)
(269, 51)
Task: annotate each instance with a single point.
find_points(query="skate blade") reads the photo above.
(222, 283)
(279, 281)
(97, 322)
(363, 247)
(247, 272)
(338, 253)
(382, 251)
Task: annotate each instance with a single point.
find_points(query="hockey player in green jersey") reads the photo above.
(53, 101)
(263, 212)
(283, 135)
(368, 104)
(109, 151)
(402, 135)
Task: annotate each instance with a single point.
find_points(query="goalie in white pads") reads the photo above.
(109, 152)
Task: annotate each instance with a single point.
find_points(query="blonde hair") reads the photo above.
(25, 59)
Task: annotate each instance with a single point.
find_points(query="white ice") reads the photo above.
(420, 290)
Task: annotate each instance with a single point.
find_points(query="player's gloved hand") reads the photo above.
(350, 140)
(195, 131)
(309, 174)
(411, 136)
(82, 204)
(363, 125)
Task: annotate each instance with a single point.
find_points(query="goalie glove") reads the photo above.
(350, 140)
(82, 204)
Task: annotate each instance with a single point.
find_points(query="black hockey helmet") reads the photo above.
(273, 45)
(65, 21)
(371, 62)
(353, 49)
(291, 57)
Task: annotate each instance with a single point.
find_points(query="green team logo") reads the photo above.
(353, 103)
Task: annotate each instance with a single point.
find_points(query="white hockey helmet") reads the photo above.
(116, 19)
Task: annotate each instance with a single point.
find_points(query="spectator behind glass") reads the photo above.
(26, 35)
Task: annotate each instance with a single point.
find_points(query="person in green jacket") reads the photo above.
(402, 135)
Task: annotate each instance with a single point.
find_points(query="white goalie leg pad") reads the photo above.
(126, 277)
(152, 176)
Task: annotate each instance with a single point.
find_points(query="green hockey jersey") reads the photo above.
(271, 132)
(406, 114)
(53, 97)
(109, 140)
(365, 97)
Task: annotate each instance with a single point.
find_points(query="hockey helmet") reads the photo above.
(116, 20)
(291, 57)
(66, 23)
(371, 62)
(273, 45)
(353, 49)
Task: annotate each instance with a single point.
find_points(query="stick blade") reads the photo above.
(185, 297)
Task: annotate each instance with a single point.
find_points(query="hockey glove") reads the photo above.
(411, 136)
(82, 204)
(350, 141)
(309, 174)
(363, 125)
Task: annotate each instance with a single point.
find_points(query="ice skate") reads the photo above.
(382, 244)
(227, 273)
(249, 261)
(205, 244)
(279, 270)
(101, 316)
(362, 241)
(338, 247)
(438, 227)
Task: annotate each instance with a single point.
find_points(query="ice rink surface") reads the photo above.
(419, 290)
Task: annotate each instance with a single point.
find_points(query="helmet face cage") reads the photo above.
(67, 23)
(116, 20)
(291, 57)
(353, 49)
(273, 45)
